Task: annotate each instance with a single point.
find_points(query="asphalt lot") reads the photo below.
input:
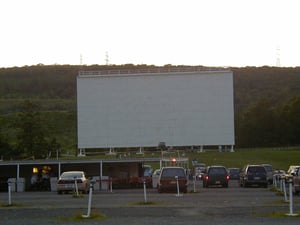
(211, 206)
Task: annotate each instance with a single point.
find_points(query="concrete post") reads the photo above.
(9, 193)
(290, 182)
(76, 186)
(177, 183)
(89, 202)
(145, 192)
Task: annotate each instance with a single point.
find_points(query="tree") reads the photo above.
(266, 125)
(31, 133)
(5, 148)
(256, 125)
(288, 115)
(53, 147)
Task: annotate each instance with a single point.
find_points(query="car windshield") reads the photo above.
(268, 168)
(234, 170)
(172, 172)
(199, 169)
(217, 171)
(256, 169)
(71, 175)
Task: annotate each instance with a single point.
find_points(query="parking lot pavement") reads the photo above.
(221, 206)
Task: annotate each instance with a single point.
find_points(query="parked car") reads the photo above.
(296, 181)
(216, 176)
(234, 173)
(292, 169)
(66, 182)
(167, 181)
(156, 172)
(155, 177)
(147, 175)
(198, 171)
(147, 170)
(270, 172)
(253, 175)
(278, 173)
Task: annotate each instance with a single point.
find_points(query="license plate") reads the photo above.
(172, 182)
(256, 178)
(218, 182)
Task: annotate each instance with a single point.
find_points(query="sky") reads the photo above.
(233, 33)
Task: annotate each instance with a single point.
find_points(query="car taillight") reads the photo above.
(206, 177)
(227, 177)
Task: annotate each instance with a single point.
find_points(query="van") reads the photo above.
(170, 178)
(253, 175)
(216, 176)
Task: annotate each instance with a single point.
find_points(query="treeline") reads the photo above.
(59, 82)
(267, 104)
(264, 124)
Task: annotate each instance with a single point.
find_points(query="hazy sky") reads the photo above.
(158, 32)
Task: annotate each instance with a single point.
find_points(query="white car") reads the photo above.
(68, 180)
(296, 180)
(292, 169)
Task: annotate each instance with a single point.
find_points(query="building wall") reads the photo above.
(121, 172)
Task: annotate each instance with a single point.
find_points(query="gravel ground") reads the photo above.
(213, 206)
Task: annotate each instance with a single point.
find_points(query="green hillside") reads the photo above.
(266, 101)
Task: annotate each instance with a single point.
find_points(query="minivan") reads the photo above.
(168, 178)
(253, 175)
(216, 176)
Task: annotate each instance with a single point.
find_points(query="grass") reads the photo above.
(277, 191)
(278, 215)
(148, 203)
(280, 159)
(74, 195)
(12, 205)
(78, 217)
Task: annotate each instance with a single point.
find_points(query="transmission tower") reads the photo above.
(106, 58)
(278, 57)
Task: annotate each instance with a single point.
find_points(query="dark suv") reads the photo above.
(253, 175)
(215, 176)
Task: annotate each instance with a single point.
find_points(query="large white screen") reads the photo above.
(141, 110)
